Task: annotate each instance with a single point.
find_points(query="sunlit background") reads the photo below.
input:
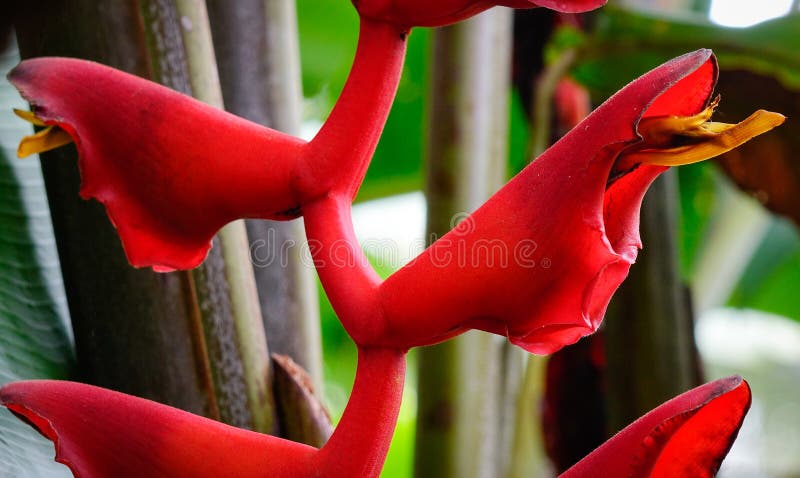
(745, 13)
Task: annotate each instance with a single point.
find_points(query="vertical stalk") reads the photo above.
(528, 459)
(529, 455)
(649, 329)
(259, 67)
(359, 445)
(251, 404)
(460, 381)
(543, 99)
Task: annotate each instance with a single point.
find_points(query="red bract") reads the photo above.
(426, 13)
(100, 433)
(171, 170)
(545, 254)
(686, 436)
(539, 261)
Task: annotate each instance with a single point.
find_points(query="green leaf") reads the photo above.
(623, 44)
(33, 339)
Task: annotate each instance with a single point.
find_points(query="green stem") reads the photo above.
(528, 459)
(543, 102)
(182, 56)
(359, 445)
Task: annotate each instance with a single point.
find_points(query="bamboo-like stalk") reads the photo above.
(542, 110)
(257, 52)
(461, 381)
(250, 341)
(528, 458)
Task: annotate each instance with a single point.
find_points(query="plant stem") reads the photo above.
(251, 344)
(345, 272)
(543, 102)
(528, 459)
(359, 445)
(348, 139)
(350, 134)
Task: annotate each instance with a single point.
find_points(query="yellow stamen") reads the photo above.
(50, 137)
(678, 140)
(29, 116)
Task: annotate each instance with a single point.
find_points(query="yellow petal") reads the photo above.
(49, 138)
(706, 140)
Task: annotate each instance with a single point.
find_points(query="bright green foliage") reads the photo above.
(624, 43)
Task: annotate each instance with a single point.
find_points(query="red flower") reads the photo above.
(686, 436)
(426, 13)
(539, 261)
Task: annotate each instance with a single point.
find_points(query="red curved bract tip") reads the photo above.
(100, 433)
(686, 436)
(170, 170)
(426, 13)
(539, 261)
